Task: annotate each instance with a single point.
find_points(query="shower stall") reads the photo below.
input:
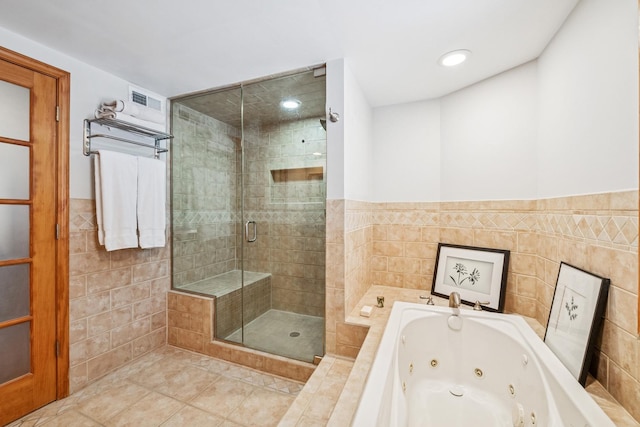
(248, 191)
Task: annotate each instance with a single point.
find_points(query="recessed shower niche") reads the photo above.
(248, 187)
(297, 185)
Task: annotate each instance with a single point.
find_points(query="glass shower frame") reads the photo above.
(296, 188)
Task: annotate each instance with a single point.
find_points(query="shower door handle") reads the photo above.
(246, 231)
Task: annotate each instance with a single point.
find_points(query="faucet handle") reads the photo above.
(429, 299)
(478, 305)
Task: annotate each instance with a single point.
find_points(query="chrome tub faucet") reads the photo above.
(454, 300)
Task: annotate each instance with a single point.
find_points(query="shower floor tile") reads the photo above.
(173, 387)
(287, 334)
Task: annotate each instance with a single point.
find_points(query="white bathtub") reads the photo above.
(492, 371)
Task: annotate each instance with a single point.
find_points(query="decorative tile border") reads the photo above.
(609, 228)
(605, 229)
(193, 218)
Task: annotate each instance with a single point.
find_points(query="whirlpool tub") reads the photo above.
(438, 367)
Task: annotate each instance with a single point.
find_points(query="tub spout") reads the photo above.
(454, 321)
(454, 300)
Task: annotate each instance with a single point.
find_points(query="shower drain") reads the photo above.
(294, 334)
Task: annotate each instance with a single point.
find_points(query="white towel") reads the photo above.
(130, 119)
(139, 122)
(151, 202)
(133, 113)
(116, 193)
(98, 190)
(134, 109)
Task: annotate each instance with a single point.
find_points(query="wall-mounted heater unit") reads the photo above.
(147, 98)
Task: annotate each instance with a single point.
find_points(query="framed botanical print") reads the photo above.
(576, 314)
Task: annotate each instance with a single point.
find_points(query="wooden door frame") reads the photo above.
(63, 80)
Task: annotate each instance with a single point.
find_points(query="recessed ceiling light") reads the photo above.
(290, 104)
(317, 153)
(454, 58)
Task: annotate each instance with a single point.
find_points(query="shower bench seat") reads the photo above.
(229, 299)
(225, 283)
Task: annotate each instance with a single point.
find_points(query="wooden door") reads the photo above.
(29, 345)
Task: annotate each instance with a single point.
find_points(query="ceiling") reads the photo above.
(391, 47)
(261, 100)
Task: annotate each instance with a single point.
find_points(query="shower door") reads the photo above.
(284, 158)
(248, 186)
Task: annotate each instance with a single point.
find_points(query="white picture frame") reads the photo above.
(476, 274)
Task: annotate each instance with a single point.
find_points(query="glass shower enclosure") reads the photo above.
(248, 191)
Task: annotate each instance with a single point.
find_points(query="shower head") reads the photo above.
(323, 123)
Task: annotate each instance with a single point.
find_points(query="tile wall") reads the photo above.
(117, 307)
(289, 211)
(347, 275)
(598, 233)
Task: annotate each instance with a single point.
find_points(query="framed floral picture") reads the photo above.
(576, 315)
(479, 275)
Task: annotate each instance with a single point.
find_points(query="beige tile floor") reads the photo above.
(171, 387)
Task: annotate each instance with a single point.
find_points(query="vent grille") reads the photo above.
(147, 101)
(138, 98)
(147, 98)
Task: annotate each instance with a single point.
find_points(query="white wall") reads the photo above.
(89, 87)
(349, 140)
(406, 164)
(335, 131)
(488, 138)
(566, 124)
(588, 92)
(358, 140)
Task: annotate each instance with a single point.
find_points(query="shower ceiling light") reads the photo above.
(290, 104)
(454, 58)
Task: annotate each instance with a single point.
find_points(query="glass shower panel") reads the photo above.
(284, 154)
(248, 210)
(206, 203)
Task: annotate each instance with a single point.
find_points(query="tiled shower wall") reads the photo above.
(117, 307)
(598, 233)
(203, 196)
(289, 212)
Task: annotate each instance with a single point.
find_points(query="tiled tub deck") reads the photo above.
(313, 407)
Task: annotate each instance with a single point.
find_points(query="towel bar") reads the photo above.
(128, 127)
